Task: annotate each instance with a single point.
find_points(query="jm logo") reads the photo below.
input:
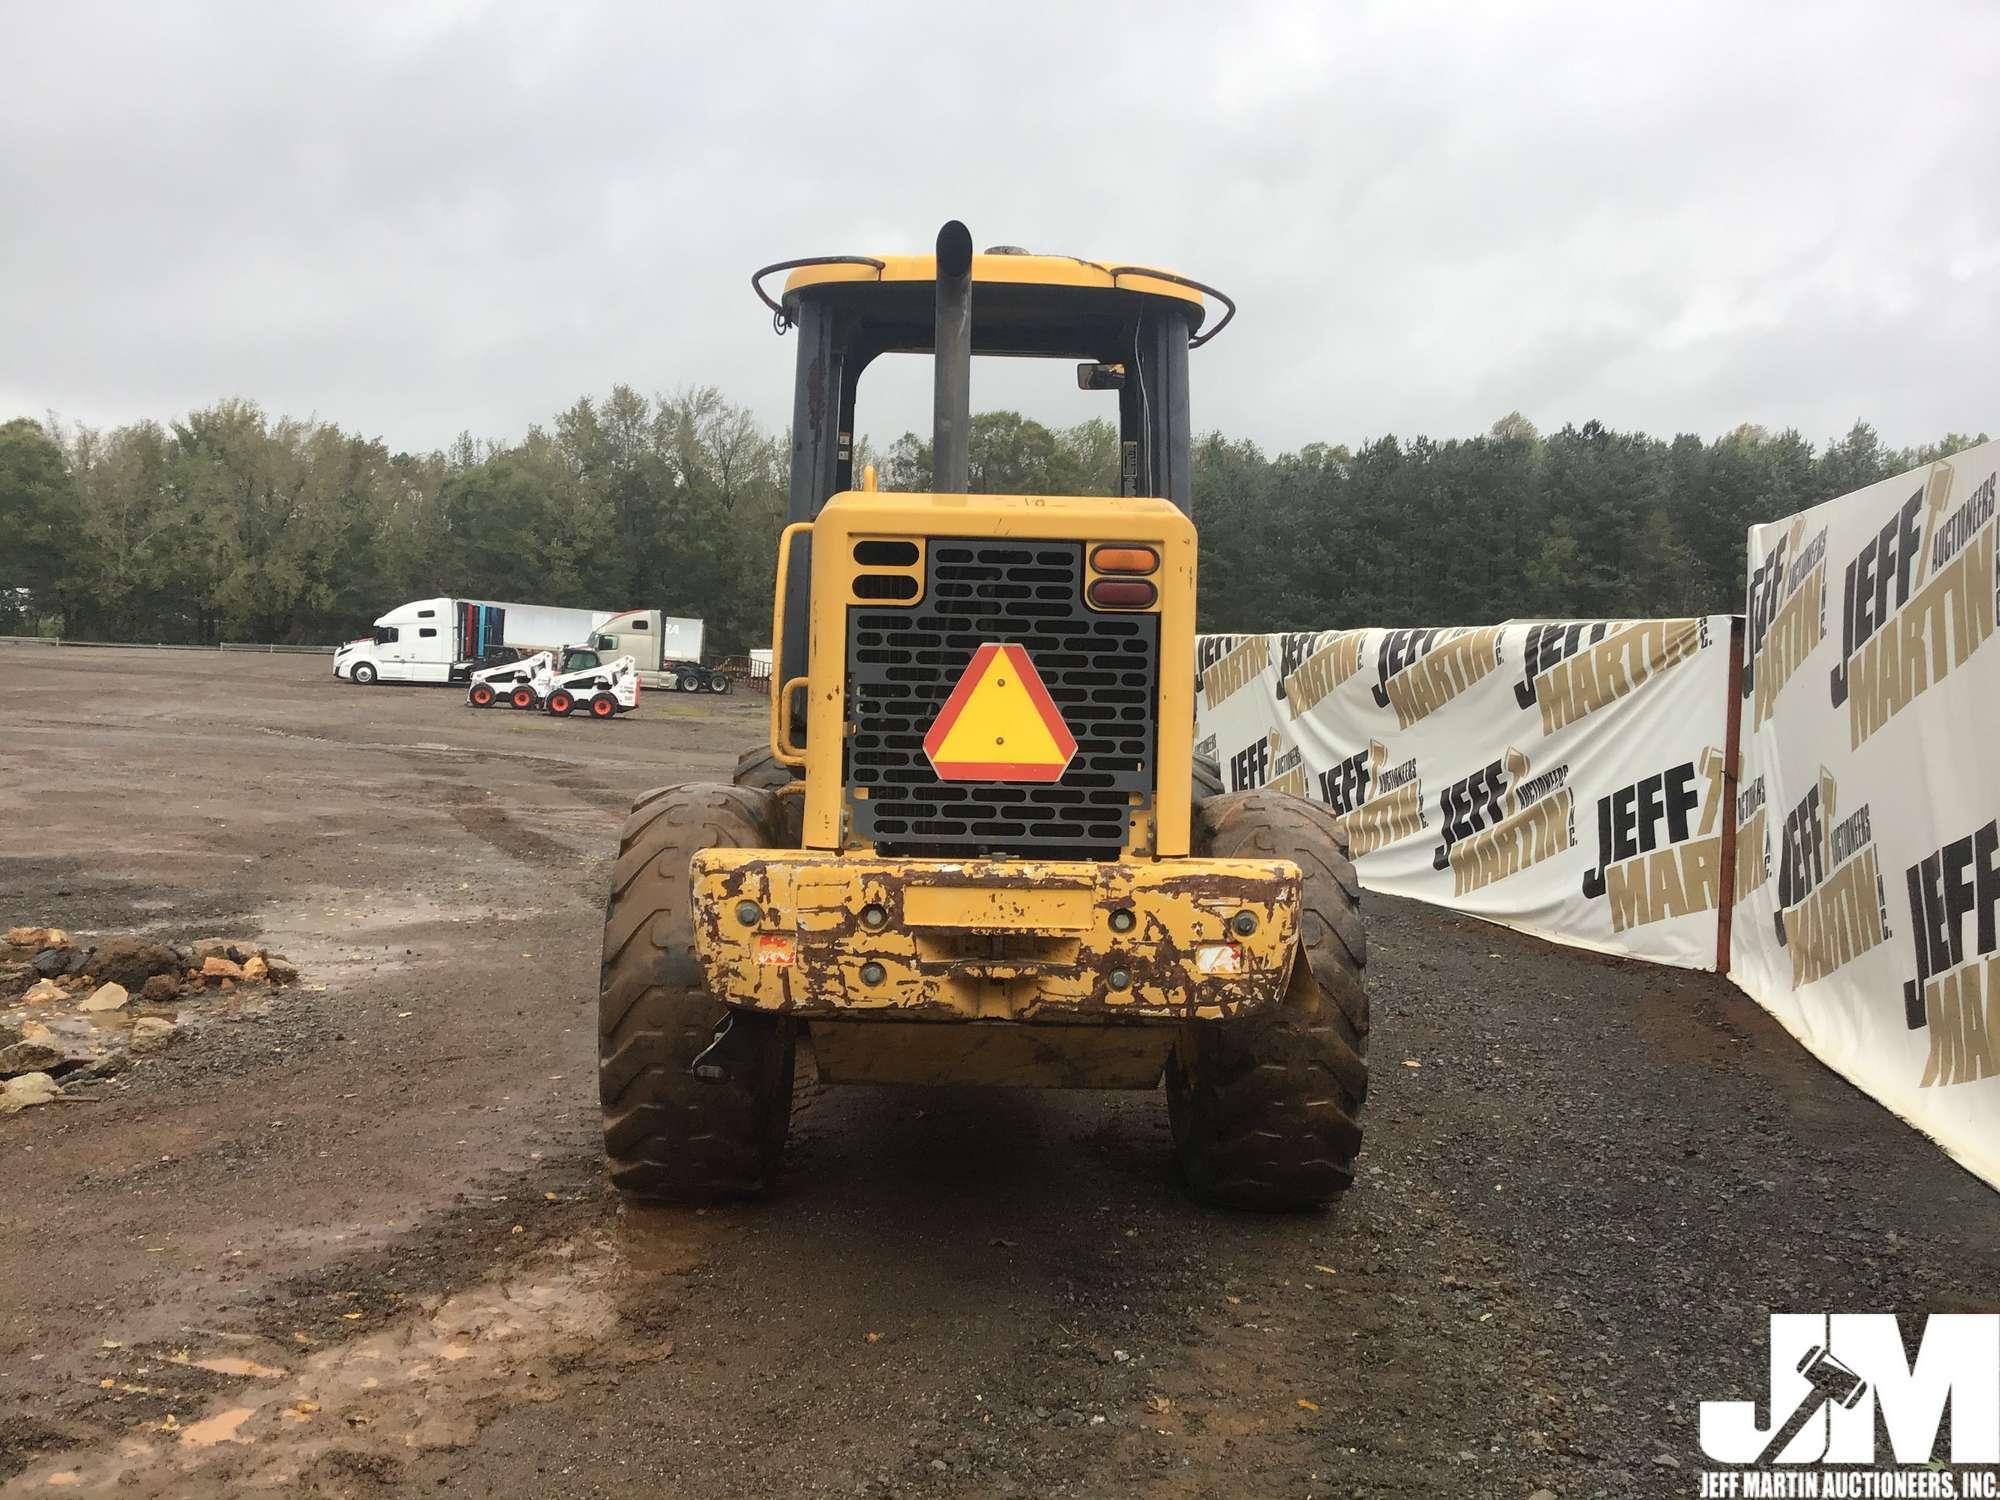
(1831, 1374)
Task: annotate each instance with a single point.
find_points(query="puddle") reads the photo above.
(328, 933)
(427, 1380)
(248, 1368)
(220, 1428)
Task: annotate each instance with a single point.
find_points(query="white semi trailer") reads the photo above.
(444, 640)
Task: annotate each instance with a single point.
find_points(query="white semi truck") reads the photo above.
(667, 648)
(446, 640)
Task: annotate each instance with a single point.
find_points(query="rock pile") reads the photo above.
(73, 1012)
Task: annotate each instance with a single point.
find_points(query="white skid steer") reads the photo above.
(582, 680)
(523, 683)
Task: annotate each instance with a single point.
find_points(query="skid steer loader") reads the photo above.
(978, 847)
(520, 683)
(582, 681)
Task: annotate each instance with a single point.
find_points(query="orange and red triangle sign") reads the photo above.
(999, 723)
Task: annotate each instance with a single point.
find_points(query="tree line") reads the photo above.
(231, 524)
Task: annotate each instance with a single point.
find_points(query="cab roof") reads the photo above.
(999, 266)
(1031, 304)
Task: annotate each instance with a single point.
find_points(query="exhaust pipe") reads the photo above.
(951, 416)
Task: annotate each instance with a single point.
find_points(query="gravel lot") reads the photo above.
(362, 1245)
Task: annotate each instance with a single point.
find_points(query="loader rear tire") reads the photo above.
(757, 767)
(1266, 1110)
(1207, 777)
(669, 1136)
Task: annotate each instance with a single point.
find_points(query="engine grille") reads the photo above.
(1101, 670)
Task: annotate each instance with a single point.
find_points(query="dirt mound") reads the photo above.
(74, 1013)
(132, 961)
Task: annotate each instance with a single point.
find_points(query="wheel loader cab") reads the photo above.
(1128, 331)
(973, 850)
(864, 558)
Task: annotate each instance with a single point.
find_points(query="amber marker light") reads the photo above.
(1139, 560)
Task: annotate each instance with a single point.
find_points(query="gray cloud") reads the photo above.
(416, 219)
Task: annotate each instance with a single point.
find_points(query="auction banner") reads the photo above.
(1563, 777)
(1868, 863)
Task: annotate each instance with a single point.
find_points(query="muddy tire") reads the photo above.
(667, 1135)
(758, 768)
(1207, 778)
(1266, 1110)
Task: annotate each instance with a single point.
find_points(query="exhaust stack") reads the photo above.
(951, 419)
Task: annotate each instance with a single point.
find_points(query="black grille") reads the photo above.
(1102, 671)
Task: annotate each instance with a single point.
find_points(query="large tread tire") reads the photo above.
(669, 1136)
(758, 767)
(1207, 777)
(1266, 1110)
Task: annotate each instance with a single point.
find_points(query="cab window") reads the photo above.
(385, 635)
(577, 661)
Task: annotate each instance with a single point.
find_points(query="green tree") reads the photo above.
(233, 523)
(40, 518)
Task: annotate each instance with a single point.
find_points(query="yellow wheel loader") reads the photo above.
(978, 847)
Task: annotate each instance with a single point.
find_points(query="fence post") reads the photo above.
(1732, 763)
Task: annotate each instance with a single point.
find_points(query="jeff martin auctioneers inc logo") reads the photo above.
(1843, 1392)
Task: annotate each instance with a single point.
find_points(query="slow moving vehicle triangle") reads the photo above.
(999, 723)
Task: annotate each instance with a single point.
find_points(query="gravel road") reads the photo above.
(362, 1245)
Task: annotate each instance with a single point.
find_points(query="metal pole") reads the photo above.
(1732, 768)
(951, 454)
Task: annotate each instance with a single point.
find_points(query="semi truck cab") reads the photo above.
(426, 640)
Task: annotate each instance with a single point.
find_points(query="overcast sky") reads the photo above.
(413, 219)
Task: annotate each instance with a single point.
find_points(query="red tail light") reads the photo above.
(1122, 593)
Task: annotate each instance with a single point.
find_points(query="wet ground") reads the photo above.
(361, 1244)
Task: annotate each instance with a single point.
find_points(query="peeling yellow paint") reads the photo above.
(995, 939)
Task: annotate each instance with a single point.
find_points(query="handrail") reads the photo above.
(781, 731)
(780, 319)
(782, 747)
(1203, 287)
